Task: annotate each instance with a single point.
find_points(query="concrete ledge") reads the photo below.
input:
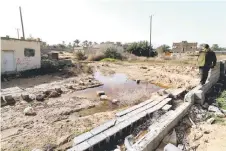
(161, 128)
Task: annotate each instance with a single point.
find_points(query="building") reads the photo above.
(184, 46)
(19, 55)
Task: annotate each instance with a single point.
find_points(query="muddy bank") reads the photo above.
(172, 75)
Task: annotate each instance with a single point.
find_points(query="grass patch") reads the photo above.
(109, 60)
(221, 100)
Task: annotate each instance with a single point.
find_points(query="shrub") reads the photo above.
(80, 55)
(141, 48)
(112, 52)
(95, 57)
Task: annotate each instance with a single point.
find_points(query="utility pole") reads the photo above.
(150, 35)
(21, 18)
(18, 34)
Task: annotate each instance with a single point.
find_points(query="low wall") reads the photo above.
(160, 129)
(200, 90)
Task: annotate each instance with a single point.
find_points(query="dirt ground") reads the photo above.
(58, 120)
(212, 137)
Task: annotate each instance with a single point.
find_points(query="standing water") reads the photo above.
(116, 84)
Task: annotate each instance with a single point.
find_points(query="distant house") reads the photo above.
(19, 55)
(184, 46)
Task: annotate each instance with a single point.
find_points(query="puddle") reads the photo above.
(116, 84)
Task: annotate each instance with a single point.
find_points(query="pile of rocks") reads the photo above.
(104, 97)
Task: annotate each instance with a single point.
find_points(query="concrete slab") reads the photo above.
(121, 113)
(81, 138)
(103, 127)
(159, 129)
(111, 131)
(167, 107)
(96, 139)
(177, 92)
(80, 147)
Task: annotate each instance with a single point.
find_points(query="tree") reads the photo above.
(215, 47)
(76, 42)
(90, 43)
(95, 43)
(118, 43)
(85, 43)
(163, 48)
(141, 48)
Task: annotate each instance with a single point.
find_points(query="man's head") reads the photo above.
(206, 46)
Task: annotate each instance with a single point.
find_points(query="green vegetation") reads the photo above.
(80, 55)
(113, 53)
(141, 48)
(221, 100)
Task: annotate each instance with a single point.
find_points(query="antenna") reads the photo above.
(21, 18)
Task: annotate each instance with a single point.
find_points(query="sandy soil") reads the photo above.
(212, 137)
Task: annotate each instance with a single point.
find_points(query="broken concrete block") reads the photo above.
(9, 100)
(171, 147)
(189, 97)
(32, 96)
(40, 97)
(114, 101)
(138, 81)
(162, 92)
(211, 120)
(171, 138)
(104, 97)
(3, 102)
(212, 108)
(81, 83)
(177, 92)
(167, 107)
(29, 111)
(25, 96)
(58, 90)
(199, 97)
(99, 93)
(47, 92)
(205, 105)
(219, 114)
(54, 94)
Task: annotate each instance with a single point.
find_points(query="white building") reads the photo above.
(19, 55)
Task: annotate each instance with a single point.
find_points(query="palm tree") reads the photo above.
(76, 42)
(85, 43)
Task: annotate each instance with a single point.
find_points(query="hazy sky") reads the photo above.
(55, 21)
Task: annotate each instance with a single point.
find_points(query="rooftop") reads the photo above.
(8, 38)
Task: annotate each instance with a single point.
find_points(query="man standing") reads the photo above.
(207, 59)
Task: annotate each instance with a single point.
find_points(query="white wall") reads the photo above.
(21, 62)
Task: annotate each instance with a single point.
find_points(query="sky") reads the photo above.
(55, 21)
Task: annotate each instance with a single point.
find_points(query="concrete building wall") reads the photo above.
(19, 61)
(184, 46)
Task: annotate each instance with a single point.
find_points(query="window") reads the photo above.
(29, 52)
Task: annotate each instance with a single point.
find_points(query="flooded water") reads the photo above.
(116, 84)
